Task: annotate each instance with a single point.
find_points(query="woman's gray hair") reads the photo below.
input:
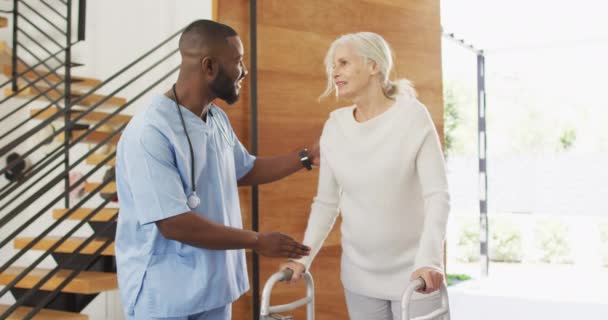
(372, 47)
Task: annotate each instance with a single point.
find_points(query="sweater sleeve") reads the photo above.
(324, 211)
(430, 166)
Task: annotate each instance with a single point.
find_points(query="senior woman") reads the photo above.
(382, 167)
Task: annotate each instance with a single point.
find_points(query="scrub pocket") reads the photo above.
(169, 293)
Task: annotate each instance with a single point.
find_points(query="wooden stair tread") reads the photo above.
(53, 94)
(7, 70)
(68, 246)
(97, 158)
(87, 282)
(91, 116)
(5, 54)
(93, 137)
(109, 188)
(44, 314)
(102, 215)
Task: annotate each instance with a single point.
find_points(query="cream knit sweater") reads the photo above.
(387, 178)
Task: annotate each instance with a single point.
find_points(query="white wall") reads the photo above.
(117, 33)
(120, 31)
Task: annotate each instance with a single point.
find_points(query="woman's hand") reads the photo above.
(298, 270)
(432, 277)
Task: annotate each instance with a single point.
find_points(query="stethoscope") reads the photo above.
(193, 200)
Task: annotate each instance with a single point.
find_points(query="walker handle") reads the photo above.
(287, 274)
(266, 310)
(418, 284)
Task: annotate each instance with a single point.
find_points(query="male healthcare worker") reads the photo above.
(179, 240)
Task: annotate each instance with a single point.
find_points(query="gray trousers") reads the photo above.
(367, 308)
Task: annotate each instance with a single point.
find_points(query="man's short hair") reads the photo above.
(204, 33)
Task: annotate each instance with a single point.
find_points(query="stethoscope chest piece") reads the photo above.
(193, 201)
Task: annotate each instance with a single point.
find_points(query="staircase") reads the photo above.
(58, 134)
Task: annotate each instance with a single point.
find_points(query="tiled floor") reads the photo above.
(525, 291)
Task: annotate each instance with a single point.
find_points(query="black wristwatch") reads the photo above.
(305, 159)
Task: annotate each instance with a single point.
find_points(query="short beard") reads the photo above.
(223, 87)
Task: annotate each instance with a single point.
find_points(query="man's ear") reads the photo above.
(210, 67)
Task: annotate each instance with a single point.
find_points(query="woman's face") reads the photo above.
(351, 74)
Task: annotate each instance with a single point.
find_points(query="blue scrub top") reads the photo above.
(153, 169)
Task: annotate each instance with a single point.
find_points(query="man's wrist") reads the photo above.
(254, 240)
(305, 159)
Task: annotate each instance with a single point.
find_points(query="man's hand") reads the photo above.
(276, 244)
(298, 270)
(432, 277)
(314, 153)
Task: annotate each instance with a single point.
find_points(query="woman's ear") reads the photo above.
(373, 67)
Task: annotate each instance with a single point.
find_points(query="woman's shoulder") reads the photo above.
(339, 116)
(336, 122)
(341, 113)
(413, 108)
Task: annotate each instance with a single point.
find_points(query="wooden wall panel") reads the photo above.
(236, 14)
(293, 37)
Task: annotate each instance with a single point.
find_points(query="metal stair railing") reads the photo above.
(44, 169)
